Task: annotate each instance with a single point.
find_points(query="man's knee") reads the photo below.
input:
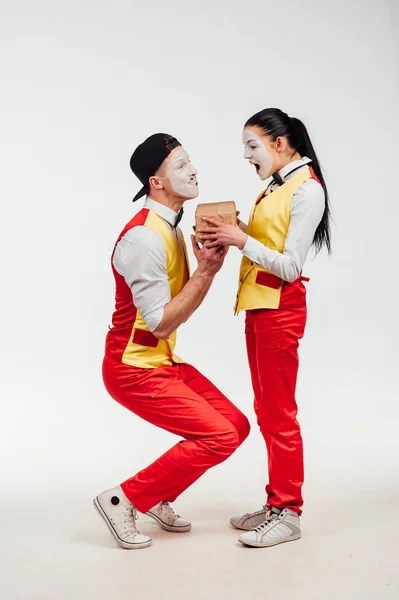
(243, 429)
(233, 436)
(225, 443)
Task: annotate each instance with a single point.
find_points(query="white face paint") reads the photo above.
(257, 153)
(182, 174)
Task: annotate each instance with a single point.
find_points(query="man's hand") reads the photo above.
(182, 306)
(210, 260)
(221, 234)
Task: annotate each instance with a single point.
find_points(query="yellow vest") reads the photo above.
(268, 223)
(144, 349)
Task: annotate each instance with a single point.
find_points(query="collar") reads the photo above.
(292, 168)
(162, 211)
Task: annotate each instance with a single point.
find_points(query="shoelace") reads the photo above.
(258, 512)
(270, 518)
(131, 516)
(168, 511)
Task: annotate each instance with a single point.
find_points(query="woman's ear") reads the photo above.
(281, 144)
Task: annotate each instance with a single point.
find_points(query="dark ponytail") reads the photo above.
(275, 123)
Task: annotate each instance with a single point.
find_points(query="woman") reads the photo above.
(290, 216)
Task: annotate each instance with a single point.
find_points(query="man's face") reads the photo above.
(180, 176)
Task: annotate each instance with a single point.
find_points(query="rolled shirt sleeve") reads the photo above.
(140, 258)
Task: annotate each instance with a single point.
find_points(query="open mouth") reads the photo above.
(257, 167)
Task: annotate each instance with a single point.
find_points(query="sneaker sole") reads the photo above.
(166, 527)
(269, 544)
(125, 545)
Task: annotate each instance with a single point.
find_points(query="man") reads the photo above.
(154, 295)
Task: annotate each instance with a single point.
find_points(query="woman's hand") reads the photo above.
(221, 234)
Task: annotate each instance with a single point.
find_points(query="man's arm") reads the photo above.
(182, 306)
(140, 257)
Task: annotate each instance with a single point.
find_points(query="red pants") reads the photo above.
(272, 338)
(182, 401)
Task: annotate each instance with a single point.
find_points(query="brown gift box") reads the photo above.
(220, 211)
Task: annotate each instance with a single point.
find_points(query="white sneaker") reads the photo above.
(164, 515)
(249, 520)
(279, 526)
(120, 517)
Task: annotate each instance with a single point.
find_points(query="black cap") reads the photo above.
(149, 156)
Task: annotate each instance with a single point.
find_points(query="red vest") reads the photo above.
(129, 340)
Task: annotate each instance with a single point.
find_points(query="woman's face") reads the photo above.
(259, 151)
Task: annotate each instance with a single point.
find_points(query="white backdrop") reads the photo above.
(82, 84)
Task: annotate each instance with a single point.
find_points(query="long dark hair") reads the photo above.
(276, 123)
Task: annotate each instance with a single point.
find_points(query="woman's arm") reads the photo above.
(307, 209)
